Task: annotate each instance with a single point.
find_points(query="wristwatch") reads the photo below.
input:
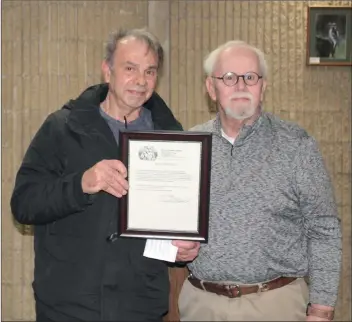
(324, 314)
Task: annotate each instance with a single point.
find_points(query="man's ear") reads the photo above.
(209, 83)
(105, 68)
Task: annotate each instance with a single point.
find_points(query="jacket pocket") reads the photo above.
(66, 248)
(74, 225)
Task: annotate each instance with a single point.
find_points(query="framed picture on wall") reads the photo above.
(329, 35)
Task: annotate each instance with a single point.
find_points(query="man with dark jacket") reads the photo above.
(69, 186)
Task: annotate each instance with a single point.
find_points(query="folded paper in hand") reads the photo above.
(160, 249)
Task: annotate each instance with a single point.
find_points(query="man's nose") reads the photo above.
(141, 79)
(240, 84)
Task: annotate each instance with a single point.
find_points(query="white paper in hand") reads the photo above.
(160, 249)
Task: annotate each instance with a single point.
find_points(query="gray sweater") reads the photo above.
(272, 210)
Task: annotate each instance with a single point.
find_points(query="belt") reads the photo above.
(235, 290)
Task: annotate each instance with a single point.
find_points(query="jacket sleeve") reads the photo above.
(321, 224)
(42, 194)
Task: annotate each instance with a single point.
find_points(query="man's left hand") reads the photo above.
(318, 307)
(187, 250)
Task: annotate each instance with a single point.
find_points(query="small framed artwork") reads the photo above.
(329, 35)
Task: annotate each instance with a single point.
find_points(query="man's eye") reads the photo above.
(151, 72)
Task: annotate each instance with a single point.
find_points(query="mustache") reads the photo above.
(242, 95)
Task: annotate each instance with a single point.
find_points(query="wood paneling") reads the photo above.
(52, 50)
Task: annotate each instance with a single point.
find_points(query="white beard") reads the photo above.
(241, 110)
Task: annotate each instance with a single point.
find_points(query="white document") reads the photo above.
(160, 249)
(164, 180)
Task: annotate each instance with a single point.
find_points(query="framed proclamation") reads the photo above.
(169, 185)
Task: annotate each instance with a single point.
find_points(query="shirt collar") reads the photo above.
(246, 131)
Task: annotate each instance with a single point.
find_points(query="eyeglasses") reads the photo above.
(231, 79)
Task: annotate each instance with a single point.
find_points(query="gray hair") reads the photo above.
(211, 59)
(140, 34)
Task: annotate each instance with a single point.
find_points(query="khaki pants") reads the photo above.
(287, 303)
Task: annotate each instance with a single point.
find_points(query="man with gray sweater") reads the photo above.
(273, 217)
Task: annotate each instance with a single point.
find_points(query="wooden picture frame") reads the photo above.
(169, 178)
(329, 35)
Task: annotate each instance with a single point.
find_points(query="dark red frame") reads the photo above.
(204, 185)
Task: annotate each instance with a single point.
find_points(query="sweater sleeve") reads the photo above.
(42, 194)
(321, 224)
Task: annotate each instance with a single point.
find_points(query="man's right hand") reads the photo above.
(106, 175)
